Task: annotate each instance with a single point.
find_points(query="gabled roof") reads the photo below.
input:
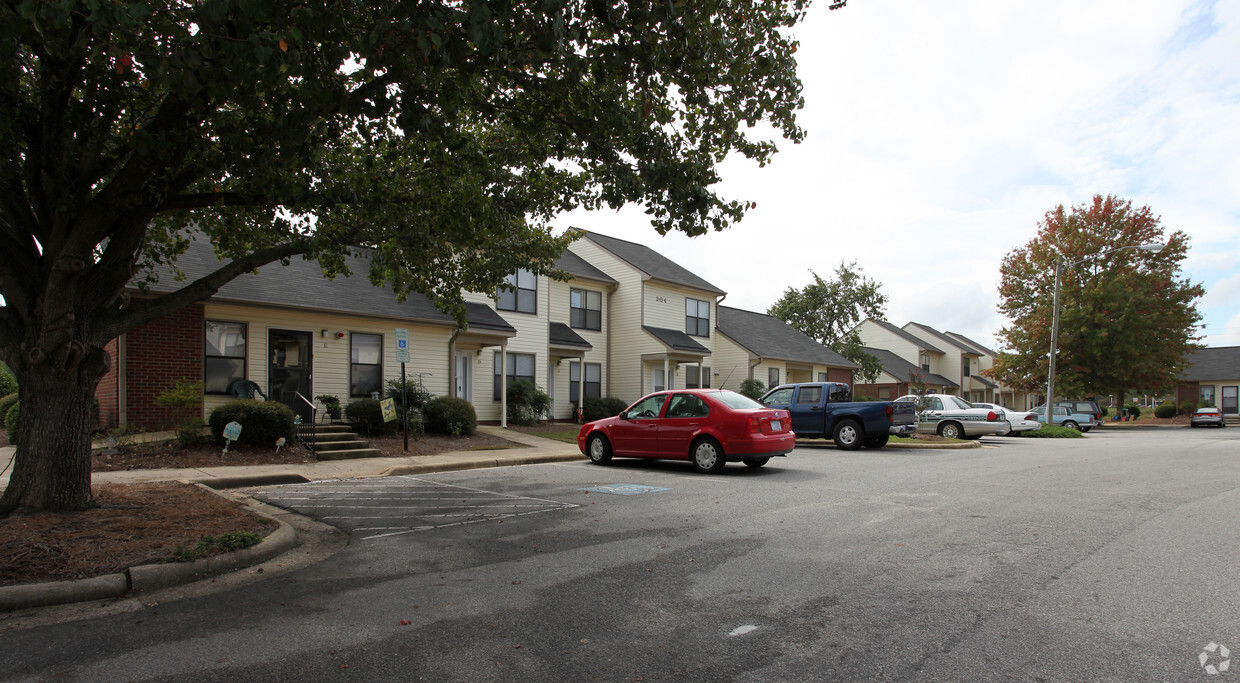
(675, 339)
(579, 267)
(766, 336)
(563, 335)
(963, 346)
(301, 285)
(982, 350)
(1212, 363)
(915, 340)
(651, 262)
(983, 380)
(903, 370)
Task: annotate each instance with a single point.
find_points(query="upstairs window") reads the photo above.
(223, 356)
(965, 365)
(697, 318)
(585, 309)
(925, 362)
(518, 293)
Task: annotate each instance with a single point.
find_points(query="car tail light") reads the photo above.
(755, 424)
(991, 416)
(1031, 416)
(890, 410)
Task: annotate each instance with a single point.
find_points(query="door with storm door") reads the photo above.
(288, 373)
(1231, 400)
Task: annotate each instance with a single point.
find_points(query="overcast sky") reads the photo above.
(940, 133)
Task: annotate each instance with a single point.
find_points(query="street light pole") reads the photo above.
(1153, 248)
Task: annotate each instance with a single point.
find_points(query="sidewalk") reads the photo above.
(532, 449)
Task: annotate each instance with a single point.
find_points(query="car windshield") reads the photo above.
(732, 399)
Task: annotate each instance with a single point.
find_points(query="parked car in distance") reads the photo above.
(1064, 417)
(708, 427)
(952, 417)
(1089, 408)
(1207, 416)
(1020, 420)
(825, 410)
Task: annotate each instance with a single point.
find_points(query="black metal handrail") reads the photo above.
(307, 434)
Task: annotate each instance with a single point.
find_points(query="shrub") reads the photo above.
(366, 416)
(262, 422)
(1053, 432)
(1188, 407)
(450, 415)
(1134, 410)
(190, 434)
(1104, 410)
(8, 383)
(6, 403)
(753, 388)
(1165, 410)
(527, 404)
(415, 393)
(598, 408)
(10, 421)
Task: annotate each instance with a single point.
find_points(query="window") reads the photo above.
(585, 309)
(687, 405)
(519, 293)
(781, 397)
(594, 383)
(656, 379)
(964, 367)
(648, 407)
(772, 376)
(1207, 395)
(224, 356)
(697, 377)
(822, 377)
(925, 362)
(697, 317)
(884, 393)
(365, 364)
(840, 393)
(810, 395)
(520, 366)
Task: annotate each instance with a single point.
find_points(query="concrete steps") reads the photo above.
(336, 442)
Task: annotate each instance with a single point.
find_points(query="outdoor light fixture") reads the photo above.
(1153, 248)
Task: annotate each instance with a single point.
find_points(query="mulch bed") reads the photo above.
(134, 524)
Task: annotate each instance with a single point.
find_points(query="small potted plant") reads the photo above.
(331, 404)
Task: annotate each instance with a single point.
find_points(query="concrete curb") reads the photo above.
(481, 463)
(238, 482)
(910, 446)
(147, 577)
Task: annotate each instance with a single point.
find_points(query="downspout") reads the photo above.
(503, 384)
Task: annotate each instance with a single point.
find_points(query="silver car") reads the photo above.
(1021, 420)
(952, 417)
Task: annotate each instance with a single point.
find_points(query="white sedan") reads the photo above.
(1021, 420)
(952, 417)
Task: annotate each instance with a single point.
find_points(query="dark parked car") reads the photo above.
(1207, 416)
(708, 427)
(1088, 407)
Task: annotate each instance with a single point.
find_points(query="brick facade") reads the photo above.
(152, 358)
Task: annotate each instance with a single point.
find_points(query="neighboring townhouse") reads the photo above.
(760, 346)
(960, 362)
(559, 327)
(1212, 378)
(291, 331)
(1004, 395)
(898, 378)
(661, 322)
(928, 357)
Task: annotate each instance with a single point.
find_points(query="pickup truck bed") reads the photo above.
(825, 410)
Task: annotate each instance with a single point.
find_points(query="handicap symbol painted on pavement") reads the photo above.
(625, 489)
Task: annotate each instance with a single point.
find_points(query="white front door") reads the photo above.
(465, 376)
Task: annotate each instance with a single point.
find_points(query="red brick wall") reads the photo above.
(1188, 392)
(108, 391)
(843, 375)
(894, 391)
(157, 355)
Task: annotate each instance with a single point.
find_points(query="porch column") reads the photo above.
(667, 376)
(503, 384)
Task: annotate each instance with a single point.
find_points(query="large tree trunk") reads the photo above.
(51, 470)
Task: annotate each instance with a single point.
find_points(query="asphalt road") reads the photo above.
(1112, 557)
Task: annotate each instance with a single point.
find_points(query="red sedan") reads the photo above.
(708, 427)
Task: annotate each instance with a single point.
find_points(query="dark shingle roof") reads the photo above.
(916, 341)
(301, 284)
(982, 350)
(983, 380)
(651, 262)
(903, 370)
(484, 317)
(575, 265)
(676, 339)
(1212, 363)
(963, 346)
(563, 335)
(769, 337)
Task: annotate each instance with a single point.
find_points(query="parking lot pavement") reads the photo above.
(391, 506)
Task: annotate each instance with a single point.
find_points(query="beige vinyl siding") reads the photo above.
(626, 342)
(665, 307)
(532, 337)
(559, 308)
(877, 337)
(331, 359)
(731, 361)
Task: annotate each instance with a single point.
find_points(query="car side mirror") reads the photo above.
(624, 415)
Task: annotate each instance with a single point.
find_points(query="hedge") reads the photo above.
(366, 416)
(450, 415)
(262, 422)
(1165, 410)
(598, 408)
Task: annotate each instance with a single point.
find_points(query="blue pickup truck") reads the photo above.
(822, 410)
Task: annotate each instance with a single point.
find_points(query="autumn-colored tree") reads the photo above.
(445, 134)
(1127, 318)
(829, 311)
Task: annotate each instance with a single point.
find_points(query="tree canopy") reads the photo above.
(443, 134)
(1127, 318)
(829, 311)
